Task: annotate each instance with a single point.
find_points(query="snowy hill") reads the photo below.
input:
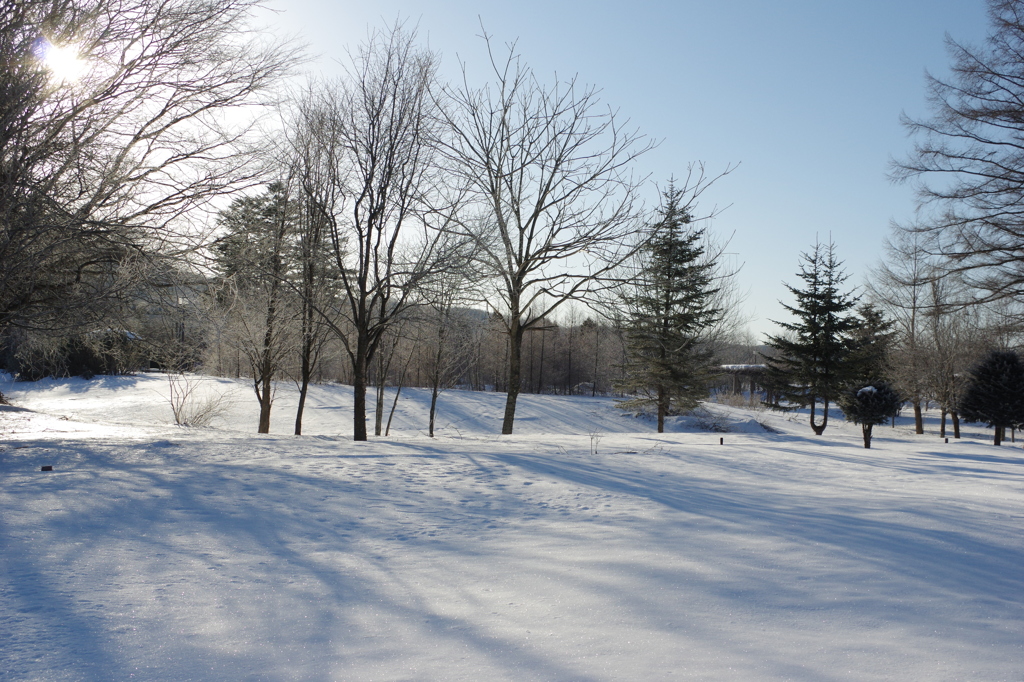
(584, 547)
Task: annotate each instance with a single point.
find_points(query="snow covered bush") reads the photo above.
(868, 405)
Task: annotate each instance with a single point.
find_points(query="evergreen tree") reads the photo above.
(995, 394)
(867, 405)
(870, 345)
(670, 305)
(254, 255)
(810, 363)
(253, 247)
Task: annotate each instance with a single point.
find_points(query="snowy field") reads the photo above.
(585, 547)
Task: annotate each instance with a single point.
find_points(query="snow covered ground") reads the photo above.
(585, 547)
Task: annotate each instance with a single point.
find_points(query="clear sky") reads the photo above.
(805, 95)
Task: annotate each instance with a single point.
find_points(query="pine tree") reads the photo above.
(995, 394)
(670, 306)
(810, 363)
(870, 404)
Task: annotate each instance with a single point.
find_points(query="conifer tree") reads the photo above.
(995, 394)
(670, 304)
(810, 363)
(253, 255)
(871, 343)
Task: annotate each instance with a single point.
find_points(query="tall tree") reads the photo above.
(967, 161)
(956, 338)
(671, 304)
(254, 255)
(375, 132)
(900, 287)
(810, 364)
(553, 202)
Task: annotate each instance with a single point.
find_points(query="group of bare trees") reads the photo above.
(952, 279)
(419, 200)
(385, 205)
(941, 329)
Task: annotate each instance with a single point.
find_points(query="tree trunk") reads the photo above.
(662, 408)
(378, 413)
(359, 391)
(266, 374)
(306, 372)
(540, 365)
(394, 404)
(530, 385)
(819, 428)
(998, 438)
(942, 425)
(263, 392)
(866, 429)
(568, 385)
(433, 408)
(398, 392)
(956, 425)
(302, 404)
(515, 349)
(309, 340)
(918, 417)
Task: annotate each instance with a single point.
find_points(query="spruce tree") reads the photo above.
(810, 363)
(995, 394)
(670, 306)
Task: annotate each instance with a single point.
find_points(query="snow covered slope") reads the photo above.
(585, 547)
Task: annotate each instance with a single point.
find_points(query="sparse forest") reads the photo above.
(395, 230)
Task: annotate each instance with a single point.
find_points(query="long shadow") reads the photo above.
(38, 604)
(954, 561)
(220, 504)
(988, 459)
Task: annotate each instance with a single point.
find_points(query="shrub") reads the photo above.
(868, 405)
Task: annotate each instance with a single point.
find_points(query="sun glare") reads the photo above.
(63, 62)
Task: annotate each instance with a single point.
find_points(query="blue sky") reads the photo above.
(805, 95)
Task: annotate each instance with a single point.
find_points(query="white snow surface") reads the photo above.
(584, 547)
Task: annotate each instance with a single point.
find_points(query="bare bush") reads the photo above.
(190, 405)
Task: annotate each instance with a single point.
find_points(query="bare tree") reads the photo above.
(113, 129)
(375, 133)
(957, 338)
(447, 329)
(315, 277)
(900, 287)
(968, 157)
(553, 201)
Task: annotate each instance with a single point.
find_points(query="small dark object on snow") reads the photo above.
(721, 441)
(47, 467)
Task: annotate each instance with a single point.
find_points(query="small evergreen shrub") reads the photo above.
(874, 403)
